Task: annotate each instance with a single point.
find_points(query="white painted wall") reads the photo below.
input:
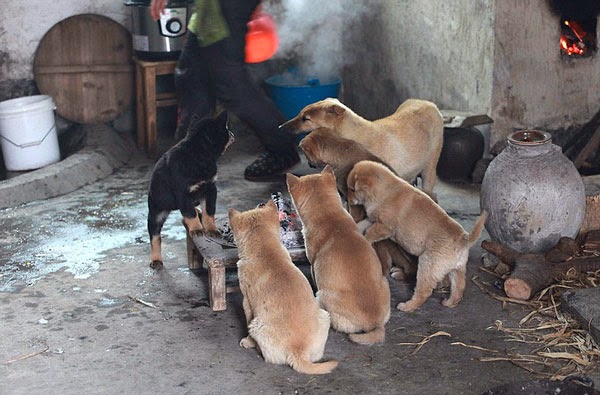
(23, 24)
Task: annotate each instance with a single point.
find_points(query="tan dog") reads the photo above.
(409, 217)
(321, 148)
(395, 261)
(345, 267)
(409, 140)
(284, 320)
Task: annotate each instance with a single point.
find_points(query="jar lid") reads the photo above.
(529, 137)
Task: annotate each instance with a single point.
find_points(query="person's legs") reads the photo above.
(194, 93)
(233, 86)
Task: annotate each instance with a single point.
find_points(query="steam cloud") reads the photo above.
(313, 32)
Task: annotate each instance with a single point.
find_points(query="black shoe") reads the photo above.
(270, 166)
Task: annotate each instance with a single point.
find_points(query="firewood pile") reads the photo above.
(559, 345)
(525, 275)
(583, 148)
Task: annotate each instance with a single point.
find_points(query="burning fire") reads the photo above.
(573, 44)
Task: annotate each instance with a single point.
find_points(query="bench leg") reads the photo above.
(218, 290)
(194, 258)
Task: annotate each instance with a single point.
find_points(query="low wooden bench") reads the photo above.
(208, 253)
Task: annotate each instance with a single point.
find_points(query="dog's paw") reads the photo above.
(363, 225)
(406, 307)
(156, 264)
(247, 342)
(450, 303)
(213, 233)
(196, 233)
(398, 274)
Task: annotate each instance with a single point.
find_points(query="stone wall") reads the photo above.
(533, 85)
(24, 24)
(499, 57)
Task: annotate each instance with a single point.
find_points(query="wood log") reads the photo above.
(592, 240)
(580, 138)
(591, 218)
(563, 250)
(588, 150)
(534, 272)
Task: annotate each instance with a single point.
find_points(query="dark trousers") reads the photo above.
(218, 71)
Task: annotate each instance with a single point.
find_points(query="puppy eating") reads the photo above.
(409, 217)
(409, 140)
(321, 148)
(184, 177)
(346, 270)
(284, 320)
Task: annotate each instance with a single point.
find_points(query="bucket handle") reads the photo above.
(30, 144)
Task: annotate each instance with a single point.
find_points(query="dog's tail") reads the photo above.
(376, 335)
(307, 367)
(477, 229)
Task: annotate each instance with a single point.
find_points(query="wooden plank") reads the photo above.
(590, 149)
(85, 63)
(463, 119)
(82, 68)
(139, 108)
(149, 79)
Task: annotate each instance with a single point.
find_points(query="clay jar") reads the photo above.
(533, 193)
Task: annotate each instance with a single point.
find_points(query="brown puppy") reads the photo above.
(345, 267)
(321, 148)
(284, 320)
(395, 261)
(409, 217)
(409, 140)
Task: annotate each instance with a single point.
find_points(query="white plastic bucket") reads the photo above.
(28, 132)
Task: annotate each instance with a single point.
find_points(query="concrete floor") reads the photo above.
(72, 266)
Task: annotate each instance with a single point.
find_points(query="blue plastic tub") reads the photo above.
(292, 92)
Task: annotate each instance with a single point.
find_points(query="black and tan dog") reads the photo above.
(185, 177)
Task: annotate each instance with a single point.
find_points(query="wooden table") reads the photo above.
(148, 100)
(212, 255)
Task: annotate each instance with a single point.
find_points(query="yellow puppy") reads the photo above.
(409, 140)
(345, 267)
(409, 217)
(321, 147)
(284, 320)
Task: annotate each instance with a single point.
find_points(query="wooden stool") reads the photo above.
(147, 100)
(204, 252)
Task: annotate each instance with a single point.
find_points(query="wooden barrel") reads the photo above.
(85, 63)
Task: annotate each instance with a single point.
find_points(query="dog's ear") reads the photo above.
(328, 170)
(350, 179)
(271, 205)
(221, 119)
(232, 213)
(291, 180)
(336, 109)
(196, 123)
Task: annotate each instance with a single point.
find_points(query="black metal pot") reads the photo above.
(462, 148)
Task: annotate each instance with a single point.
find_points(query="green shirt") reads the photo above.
(207, 22)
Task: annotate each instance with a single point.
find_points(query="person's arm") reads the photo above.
(157, 7)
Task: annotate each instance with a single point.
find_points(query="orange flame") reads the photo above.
(570, 46)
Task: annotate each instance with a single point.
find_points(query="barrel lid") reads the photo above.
(170, 4)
